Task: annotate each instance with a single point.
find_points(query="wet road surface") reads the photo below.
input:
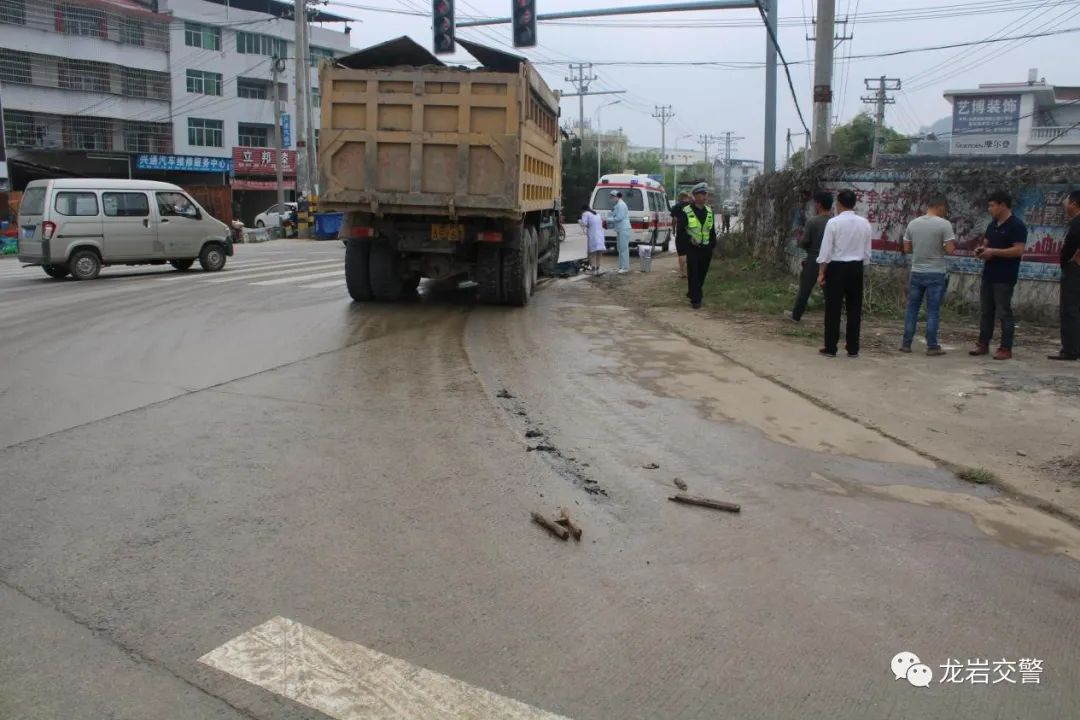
(240, 495)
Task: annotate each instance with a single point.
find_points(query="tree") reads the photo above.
(579, 176)
(854, 142)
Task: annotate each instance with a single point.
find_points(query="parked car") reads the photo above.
(277, 215)
(76, 227)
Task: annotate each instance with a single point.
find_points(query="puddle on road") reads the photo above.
(673, 367)
(1012, 524)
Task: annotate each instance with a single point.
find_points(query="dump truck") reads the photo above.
(441, 172)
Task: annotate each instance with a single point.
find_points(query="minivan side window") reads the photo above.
(76, 204)
(125, 204)
(174, 204)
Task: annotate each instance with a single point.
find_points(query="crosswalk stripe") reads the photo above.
(327, 284)
(299, 278)
(347, 681)
(239, 276)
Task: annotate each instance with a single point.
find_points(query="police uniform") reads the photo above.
(700, 224)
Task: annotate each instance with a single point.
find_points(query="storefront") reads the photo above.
(254, 181)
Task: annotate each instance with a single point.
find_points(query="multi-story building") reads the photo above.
(1032, 118)
(177, 90)
(733, 178)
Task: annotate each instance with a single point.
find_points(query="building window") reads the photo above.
(202, 82)
(131, 32)
(15, 67)
(87, 134)
(252, 89)
(205, 133)
(78, 20)
(316, 98)
(84, 75)
(147, 137)
(254, 135)
(13, 12)
(319, 53)
(255, 44)
(22, 129)
(202, 36)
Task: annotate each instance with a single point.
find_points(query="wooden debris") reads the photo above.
(554, 528)
(679, 483)
(651, 466)
(705, 502)
(566, 522)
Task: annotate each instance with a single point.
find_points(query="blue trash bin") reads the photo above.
(328, 225)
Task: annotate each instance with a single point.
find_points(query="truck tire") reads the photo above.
(84, 264)
(551, 260)
(517, 272)
(385, 273)
(488, 274)
(357, 271)
(410, 286)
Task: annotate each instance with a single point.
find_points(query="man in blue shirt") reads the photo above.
(1001, 249)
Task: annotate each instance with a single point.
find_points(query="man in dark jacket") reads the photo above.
(1002, 249)
(811, 243)
(1070, 283)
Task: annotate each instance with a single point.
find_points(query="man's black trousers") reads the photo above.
(698, 259)
(843, 289)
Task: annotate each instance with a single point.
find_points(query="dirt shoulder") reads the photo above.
(1019, 419)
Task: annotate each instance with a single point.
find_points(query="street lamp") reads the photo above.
(676, 178)
(613, 102)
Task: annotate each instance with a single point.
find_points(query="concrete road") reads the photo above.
(241, 496)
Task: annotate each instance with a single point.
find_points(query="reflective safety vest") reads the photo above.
(695, 229)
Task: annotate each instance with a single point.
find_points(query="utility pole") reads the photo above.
(823, 72)
(581, 82)
(277, 65)
(881, 98)
(705, 141)
(729, 139)
(303, 103)
(770, 87)
(664, 114)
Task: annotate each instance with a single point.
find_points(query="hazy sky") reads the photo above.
(713, 99)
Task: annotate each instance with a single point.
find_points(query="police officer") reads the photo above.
(700, 225)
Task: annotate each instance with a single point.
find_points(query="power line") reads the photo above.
(787, 70)
(1054, 139)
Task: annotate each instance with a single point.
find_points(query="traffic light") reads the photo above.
(524, 19)
(444, 26)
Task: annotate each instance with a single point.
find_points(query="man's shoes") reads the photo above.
(1003, 354)
(1063, 357)
(696, 306)
(826, 353)
(853, 355)
(905, 349)
(791, 316)
(935, 352)
(979, 350)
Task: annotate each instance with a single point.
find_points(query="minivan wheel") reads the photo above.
(212, 258)
(84, 265)
(182, 265)
(55, 271)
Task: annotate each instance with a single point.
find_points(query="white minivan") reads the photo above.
(650, 215)
(76, 227)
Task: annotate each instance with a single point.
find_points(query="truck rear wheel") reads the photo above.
(488, 275)
(518, 269)
(386, 279)
(357, 272)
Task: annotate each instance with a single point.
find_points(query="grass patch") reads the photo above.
(746, 285)
(978, 476)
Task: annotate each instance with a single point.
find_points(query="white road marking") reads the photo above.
(347, 681)
(317, 276)
(327, 284)
(240, 275)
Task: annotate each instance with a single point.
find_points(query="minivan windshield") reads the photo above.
(33, 201)
(603, 200)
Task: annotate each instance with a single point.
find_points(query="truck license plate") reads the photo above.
(448, 233)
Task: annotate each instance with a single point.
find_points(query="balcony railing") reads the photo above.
(1065, 135)
(42, 131)
(23, 68)
(139, 29)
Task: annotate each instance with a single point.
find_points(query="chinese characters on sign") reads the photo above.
(262, 161)
(1025, 671)
(985, 124)
(183, 163)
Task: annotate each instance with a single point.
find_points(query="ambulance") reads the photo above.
(650, 216)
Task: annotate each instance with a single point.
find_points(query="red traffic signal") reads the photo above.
(443, 23)
(523, 17)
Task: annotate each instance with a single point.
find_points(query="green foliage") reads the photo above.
(854, 143)
(579, 177)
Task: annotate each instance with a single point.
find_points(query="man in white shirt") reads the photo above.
(845, 250)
